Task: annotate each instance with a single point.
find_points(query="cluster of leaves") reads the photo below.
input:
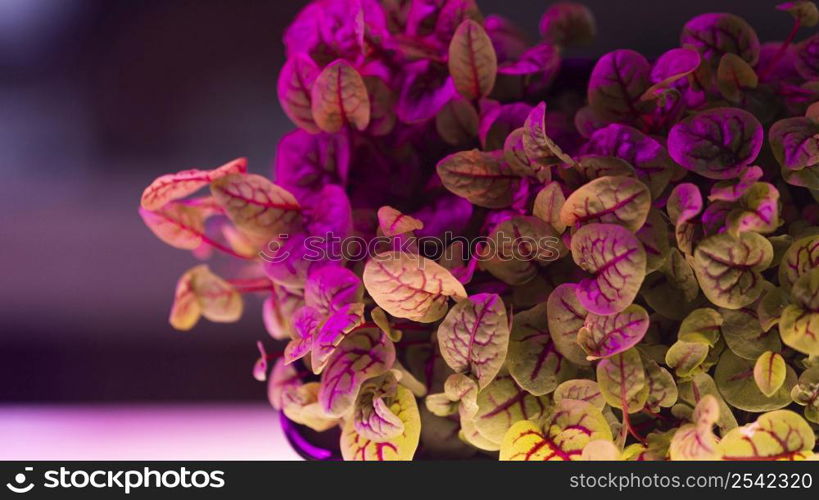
(681, 295)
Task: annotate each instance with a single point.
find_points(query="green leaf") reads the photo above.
(729, 269)
(735, 378)
(171, 187)
(440, 405)
(770, 307)
(685, 358)
(457, 122)
(402, 405)
(654, 237)
(794, 143)
(734, 75)
(361, 356)
(372, 417)
(566, 316)
(548, 204)
(410, 286)
(605, 336)
(622, 381)
(533, 360)
(258, 207)
(463, 389)
(715, 34)
(769, 372)
(673, 292)
(382, 106)
(580, 389)
(697, 441)
(294, 89)
(483, 178)
(615, 200)
(518, 247)
(503, 403)
(519, 163)
(701, 385)
(473, 64)
(803, 11)
(301, 406)
(617, 81)
(393, 223)
(569, 429)
(617, 261)
(801, 256)
(701, 325)
(593, 166)
(744, 335)
(684, 203)
(776, 435)
(662, 390)
(339, 97)
(200, 292)
(758, 210)
(539, 148)
(806, 393)
(799, 324)
(474, 336)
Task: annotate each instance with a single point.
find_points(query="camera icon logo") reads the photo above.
(20, 479)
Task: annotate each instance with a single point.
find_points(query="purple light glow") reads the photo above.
(144, 432)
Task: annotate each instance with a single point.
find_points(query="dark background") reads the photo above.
(98, 97)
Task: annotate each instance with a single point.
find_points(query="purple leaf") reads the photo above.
(617, 261)
(328, 29)
(648, 157)
(474, 337)
(362, 355)
(605, 336)
(332, 332)
(330, 288)
(617, 82)
(426, 88)
(295, 83)
(533, 360)
(306, 162)
(673, 66)
(483, 178)
(566, 317)
(807, 58)
(278, 309)
(718, 143)
(446, 213)
(499, 122)
(329, 212)
(795, 142)
(732, 190)
(716, 34)
(306, 323)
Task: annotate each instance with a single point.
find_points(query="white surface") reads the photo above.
(142, 432)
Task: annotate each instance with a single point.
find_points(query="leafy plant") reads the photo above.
(625, 270)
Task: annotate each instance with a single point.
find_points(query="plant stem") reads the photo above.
(252, 285)
(782, 48)
(223, 248)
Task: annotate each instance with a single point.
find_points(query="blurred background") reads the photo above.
(98, 97)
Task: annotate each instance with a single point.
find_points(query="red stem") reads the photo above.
(252, 285)
(223, 248)
(782, 48)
